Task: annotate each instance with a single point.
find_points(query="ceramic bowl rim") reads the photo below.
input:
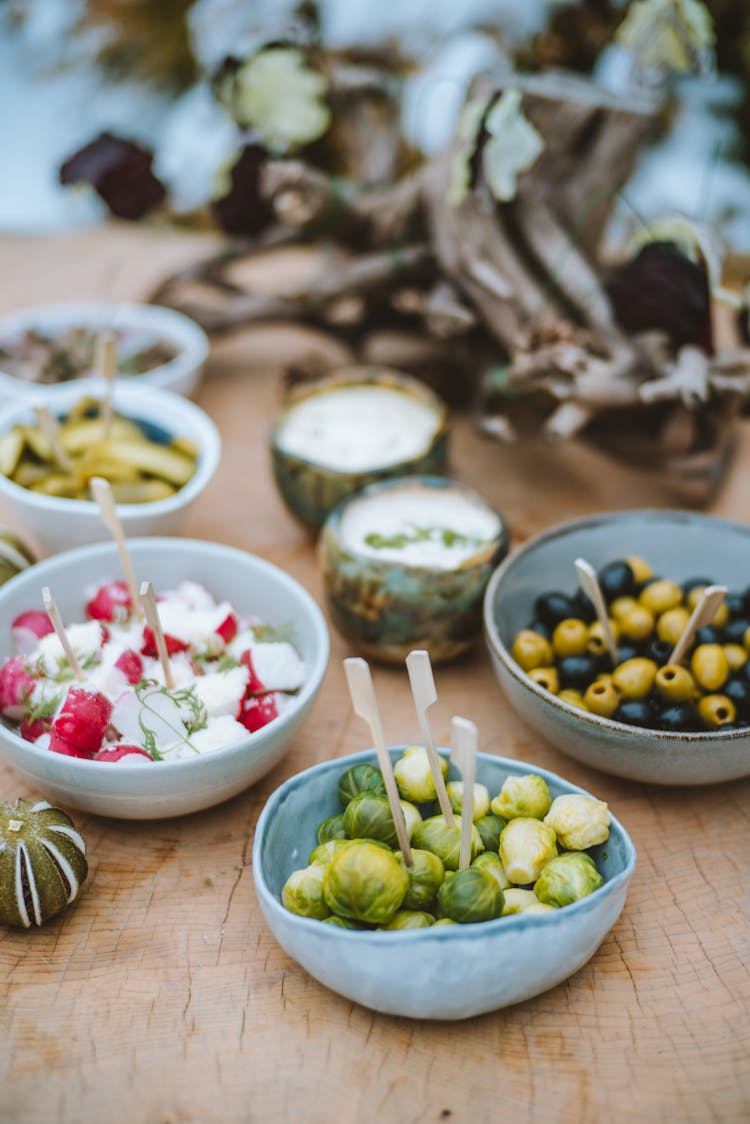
(676, 739)
(469, 931)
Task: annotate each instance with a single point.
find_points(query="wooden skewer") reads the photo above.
(365, 704)
(54, 615)
(464, 756)
(423, 690)
(51, 429)
(107, 367)
(111, 520)
(591, 587)
(152, 616)
(702, 614)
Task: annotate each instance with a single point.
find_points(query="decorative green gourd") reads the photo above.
(42, 862)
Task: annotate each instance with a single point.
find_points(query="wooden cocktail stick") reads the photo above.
(107, 367)
(423, 690)
(365, 704)
(464, 756)
(592, 589)
(702, 614)
(54, 615)
(111, 520)
(51, 430)
(152, 616)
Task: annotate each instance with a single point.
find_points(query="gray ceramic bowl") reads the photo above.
(447, 972)
(677, 545)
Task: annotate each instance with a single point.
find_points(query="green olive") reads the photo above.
(736, 656)
(634, 678)
(602, 699)
(575, 698)
(546, 677)
(637, 624)
(671, 624)
(661, 595)
(720, 617)
(716, 710)
(621, 606)
(569, 638)
(596, 644)
(531, 649)
(604, 677)
(675, 682)
(642, 572)
(746, 639)
(710, 666)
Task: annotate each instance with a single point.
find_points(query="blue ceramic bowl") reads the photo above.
(677, 545)
(443, 972)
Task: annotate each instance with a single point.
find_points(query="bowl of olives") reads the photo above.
(548, 879)
(642, 716)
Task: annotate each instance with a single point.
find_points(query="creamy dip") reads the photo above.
(437, 528)
(354, 428)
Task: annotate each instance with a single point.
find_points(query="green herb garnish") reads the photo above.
(444, 535)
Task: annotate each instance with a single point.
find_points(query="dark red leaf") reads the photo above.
(120, 172)
(242, 210)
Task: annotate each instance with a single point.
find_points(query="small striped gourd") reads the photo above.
(42, 862)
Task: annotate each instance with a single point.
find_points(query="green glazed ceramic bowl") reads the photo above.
(311, 490)
(387, 607)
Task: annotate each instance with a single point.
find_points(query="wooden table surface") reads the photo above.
(162, 996)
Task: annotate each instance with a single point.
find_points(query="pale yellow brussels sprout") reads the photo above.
(567, 878)
(578, 821)
(410, 919)
(412, 817)
(413, 775)
(364, 883)
(324, 852)
(539, 907)
(426, 875)
(488, 860)
(481, 807)
(525, 846)
(522, 797)
(435, 835)
(303, 892)
(445, 921)
(516, 900)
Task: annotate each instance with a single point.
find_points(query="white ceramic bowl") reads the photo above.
(60, 524)
(181, 374)
(677, 545)
(167, 788)
(443, 972)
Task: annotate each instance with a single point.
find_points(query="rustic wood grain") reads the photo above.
(162, 998)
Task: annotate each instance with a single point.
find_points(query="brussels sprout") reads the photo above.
(426, 876)
(332, 828)
(324, 852)
(455, 791)
(518, 901)
(435, 835)
(369, 815)
(539, 907)
(489, 828)
(414, 777)
(365, 883)
(578, 821)
(303, 892)
(567, 878)
(360, 778)
(522, 796)
(525, 846)
(488, 860)
(470, 895)
(412, 817)
(341, 922)
(445, 921)
(410, 919)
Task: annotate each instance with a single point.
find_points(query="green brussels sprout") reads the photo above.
(435, 835)
(445, 921)
(412, 817)
(489, 828)
(518, 901)
(365, 883)
(567, 878)
(303, 892)
(426, 876)
(455, 790)
(414, 776)
(332, 828)
(526, 797)
(341, 922)
(409, 919)
(578, 821)
(489, 861)
(369, 815)
(360, 778)
(525, 846)
(471, 894)
(324, 852)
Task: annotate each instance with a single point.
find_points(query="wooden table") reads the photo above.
(162, 997)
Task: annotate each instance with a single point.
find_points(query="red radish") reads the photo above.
(16, 684)
(174, 645)
(258, 712)
(35, 621)
(83, 720)
(227, 630)
(30, 731)
(121, 752)
(111, 602)
(254, 684)
(60, 745)
(131, 665)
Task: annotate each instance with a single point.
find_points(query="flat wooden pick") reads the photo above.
(51, 429)
(365, 705)
(423, 690)
(592, 589)
(464, 756)
(152, 617)
(54, 615)
(702, 614)
(107, 366)
(111, 520)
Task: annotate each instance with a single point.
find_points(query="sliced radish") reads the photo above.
(174, 644)
(28, 628)
(16, 684)
(60, 745)
(227, 630)
(131, 665)
(111, 602)
(258, 712)
(255, 685)
(31, 730)
(121, 753)
(83, 719)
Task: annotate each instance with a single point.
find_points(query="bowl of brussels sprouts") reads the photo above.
(643, 716)
(548, 878)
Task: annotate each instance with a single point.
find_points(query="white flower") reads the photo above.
(279, 96)
(666, 35)
(513, 147)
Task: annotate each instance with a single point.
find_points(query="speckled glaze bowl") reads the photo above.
(447, 972)
(387, 608)
(310, 490)
(677, 545)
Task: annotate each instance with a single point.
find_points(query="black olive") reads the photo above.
(629, 652)
(736, 725)
(738, 690)
(678, 716)
(735, 603)
(540, 627)
(551, 608)
(708, 635)
(692, 583)
(578, 671)
(617, 580)
(659, 651)
(585, 610)
(734, 632)
(636, 712)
